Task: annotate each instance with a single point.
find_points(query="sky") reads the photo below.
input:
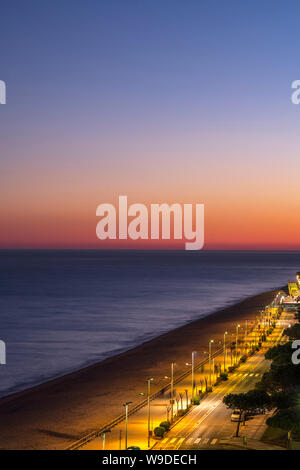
(162, 101)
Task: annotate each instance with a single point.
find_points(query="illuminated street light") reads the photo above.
(209, 346)
(148, 400)
(192, 364)
(172, 391)
(102, 435)
(224, 349)
(126, 420)
(193, 370)
(246, 336)
(236, 342)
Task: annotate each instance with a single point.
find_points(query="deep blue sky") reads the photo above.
(149, 55)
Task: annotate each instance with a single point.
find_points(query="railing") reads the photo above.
(133, 409)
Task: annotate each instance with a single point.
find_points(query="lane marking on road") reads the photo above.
(173, 440)
(205, 441)
(251, 375)
(165, 440)
(197, 423)
(190, 440)
(245, 375)
(256, 375)
(213, 442)
(210, 411)
(181, 440)
(213, 407)
(197, 440)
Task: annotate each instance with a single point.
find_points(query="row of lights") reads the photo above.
(192, 364)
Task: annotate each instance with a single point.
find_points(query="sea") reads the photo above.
(61, 310)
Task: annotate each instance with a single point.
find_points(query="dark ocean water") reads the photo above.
(61, 310)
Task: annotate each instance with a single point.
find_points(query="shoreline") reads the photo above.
(54, 413)
(14, 393)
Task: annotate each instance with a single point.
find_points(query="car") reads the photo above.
(133, 448)
(235, 416)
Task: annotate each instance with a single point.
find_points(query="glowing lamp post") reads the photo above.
(209, 360)
(236, 342)
(224, 349)
(149, 414)
(103, 434)
(172, 391)
(126, 420)
(192, 364)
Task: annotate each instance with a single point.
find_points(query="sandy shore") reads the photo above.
(52, 415)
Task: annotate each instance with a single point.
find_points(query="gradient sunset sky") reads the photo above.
(162, 101)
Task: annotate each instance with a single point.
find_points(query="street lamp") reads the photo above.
(193, 368)
(224, 350)
(172, 391)
(102, 435)
(126, 420)
(193, 373)
(246, 336)
(236, 342)
(148, 400)
(255, 333)
(262, 322)
(209, 346)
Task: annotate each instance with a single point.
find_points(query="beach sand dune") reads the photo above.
(54, 414)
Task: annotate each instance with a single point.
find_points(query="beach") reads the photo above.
(58, 412)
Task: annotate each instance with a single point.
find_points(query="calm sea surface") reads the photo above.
(61, 310)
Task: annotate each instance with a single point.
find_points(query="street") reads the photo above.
(207, 425)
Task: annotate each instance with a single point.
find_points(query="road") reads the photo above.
(208, 425)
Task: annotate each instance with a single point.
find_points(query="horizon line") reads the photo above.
(147, 249)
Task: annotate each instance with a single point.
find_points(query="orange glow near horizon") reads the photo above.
(250, 203)
(164, 103)
(62, 223)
